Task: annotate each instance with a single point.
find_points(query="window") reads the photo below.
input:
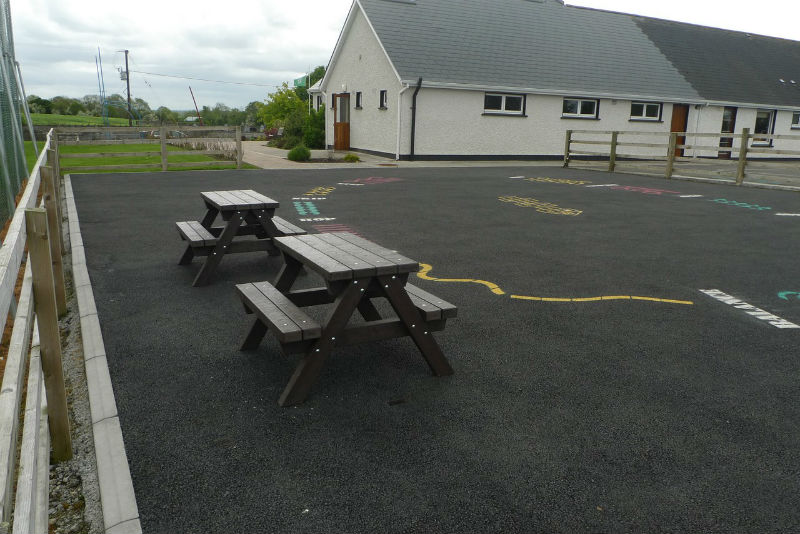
(320, 102)
(358, 99)
(578, 108)
(765, 121)
(645, 111)
(497, 103)
(384, 99)
(796, 120)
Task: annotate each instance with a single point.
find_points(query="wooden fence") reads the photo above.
(34, 350)
(667, 145)
(224, 141)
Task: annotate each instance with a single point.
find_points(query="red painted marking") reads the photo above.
(645, 190)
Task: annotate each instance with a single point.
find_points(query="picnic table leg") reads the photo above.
(264, 219)
(221, 247)
(186, 259)
(408, 313)
(211, 214)
(368, 311)
(310, 366)
(255, 335)
(288, 274)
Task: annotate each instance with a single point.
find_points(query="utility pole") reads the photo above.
(128, 82)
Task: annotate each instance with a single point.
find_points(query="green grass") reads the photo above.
(73, 164)
(44, 119)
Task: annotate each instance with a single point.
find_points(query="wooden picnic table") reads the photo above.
(244, 213)
(355, 272)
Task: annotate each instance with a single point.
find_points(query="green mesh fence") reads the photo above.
(13, 169)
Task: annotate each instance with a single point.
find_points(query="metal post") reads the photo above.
(612, 157)
(238, 147)
(673, 143)
(743, 156)
(163, 135)
(567, 142)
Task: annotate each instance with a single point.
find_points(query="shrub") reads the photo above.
(299, 153)
(314, 130)
(351, 158)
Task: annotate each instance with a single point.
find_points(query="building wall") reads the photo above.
(363, 66)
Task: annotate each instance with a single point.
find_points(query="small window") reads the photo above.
(645, 111)
(796, 120)
(503, 104)
(578, 108)
(320, 102)
(358, 99)
(765, 120)
(384, 99)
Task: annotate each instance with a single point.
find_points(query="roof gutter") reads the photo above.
(414, 117)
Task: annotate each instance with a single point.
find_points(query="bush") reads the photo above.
(351, 158)
(314, 130)
(299, 153)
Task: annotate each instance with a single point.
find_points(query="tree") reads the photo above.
(279, 106)
(164, 114)
(39, 105)
(315, 76)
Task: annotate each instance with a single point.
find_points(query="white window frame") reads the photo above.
(580, 102)
(757, 141)
(645, 105)
(383, 99)
(503, 104)
(795, 125)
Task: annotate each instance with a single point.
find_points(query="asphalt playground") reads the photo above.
(626, 357)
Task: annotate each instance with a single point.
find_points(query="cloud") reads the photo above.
(250, 41)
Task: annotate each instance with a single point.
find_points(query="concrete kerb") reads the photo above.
(117, 497)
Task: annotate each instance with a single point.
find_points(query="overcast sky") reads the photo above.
(257, 42)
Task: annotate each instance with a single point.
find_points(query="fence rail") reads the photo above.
(672, 145)
(223, 141)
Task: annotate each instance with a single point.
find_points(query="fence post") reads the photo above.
(567, 142)
(163, 136)
(743, 156)
(612, 157)
(238, 147)
(52, 162)
(673, 143)
(54, 228)
(49, 338)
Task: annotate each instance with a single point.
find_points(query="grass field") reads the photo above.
(44, 119)
(74, 164)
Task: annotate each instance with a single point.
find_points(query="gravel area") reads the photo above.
(74, 491)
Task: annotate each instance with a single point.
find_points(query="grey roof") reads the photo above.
(544, 45)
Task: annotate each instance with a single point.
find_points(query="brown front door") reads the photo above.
(728, 126)
(680, 119)
(341, 121)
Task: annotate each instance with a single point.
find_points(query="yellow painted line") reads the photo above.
(426, 268)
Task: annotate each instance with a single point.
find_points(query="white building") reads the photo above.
(471, 79)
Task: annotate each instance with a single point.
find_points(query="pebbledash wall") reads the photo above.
(452, 121)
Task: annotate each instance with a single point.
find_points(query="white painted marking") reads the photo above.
(788, 214)
(602, 185)
(691, 196)
(309, 198)
(315, 219)
(758, 313)
(515, 177)
(347, 183)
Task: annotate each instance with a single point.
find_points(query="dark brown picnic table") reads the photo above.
(244, 213)
(355, 272)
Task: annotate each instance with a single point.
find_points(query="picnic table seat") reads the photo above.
(200, 237)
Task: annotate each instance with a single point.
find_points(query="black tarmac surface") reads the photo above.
(562, 416)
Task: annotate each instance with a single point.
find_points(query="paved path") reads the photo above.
(759, 174)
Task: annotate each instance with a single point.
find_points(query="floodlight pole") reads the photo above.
(128, 83)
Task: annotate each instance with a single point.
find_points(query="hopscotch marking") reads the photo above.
(540, 206)
(758, 313)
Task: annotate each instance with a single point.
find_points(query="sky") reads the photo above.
(258, 44)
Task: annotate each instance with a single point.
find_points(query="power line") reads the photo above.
(203, 79)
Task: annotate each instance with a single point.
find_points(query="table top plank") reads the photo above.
(213, 198)
(404, 264)
(381, 264)
(258, 197)
(239, 199)
(360, 267)
(327, 267)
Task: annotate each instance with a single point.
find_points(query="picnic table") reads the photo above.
(356, 271)
(244, 213)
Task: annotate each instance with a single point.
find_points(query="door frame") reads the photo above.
(727, 142)
(679, 124)
(341, 130)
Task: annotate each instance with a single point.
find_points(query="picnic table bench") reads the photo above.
(244, 213)
(355, 272)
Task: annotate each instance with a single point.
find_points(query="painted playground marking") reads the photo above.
(788, 214)
(740, 204)
(558, 181)
(758, 313)
(306, 208)
(541, 207)
(316, 219)
(426, 268)
(644, 190)
(320, 191)
(309, 198)
(785, 294)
